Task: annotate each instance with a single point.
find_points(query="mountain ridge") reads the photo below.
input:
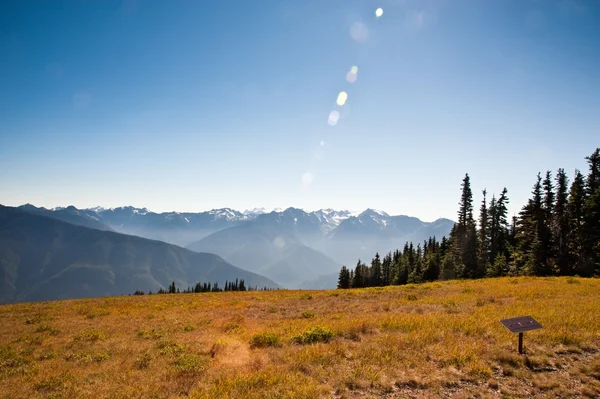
(43, 258)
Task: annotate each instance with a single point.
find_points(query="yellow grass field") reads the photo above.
(439, 339)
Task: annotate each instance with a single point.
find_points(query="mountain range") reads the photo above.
(293, 247)
(46, 258)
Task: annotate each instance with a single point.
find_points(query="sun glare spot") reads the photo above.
(307, 178)
(334, 116)
(322, 143)
(379, 12)
(279, 242)
(359, 32)
(351, 77)
(341, 98)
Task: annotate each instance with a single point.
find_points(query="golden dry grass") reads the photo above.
(439, 339)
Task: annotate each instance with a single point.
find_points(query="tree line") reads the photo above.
(557, 233)
(237, 285)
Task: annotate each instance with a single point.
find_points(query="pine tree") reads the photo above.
(396, 265)
(404, 266)
(448, 269)
(484, 244)
(375, 280)
(575, 209)
(386, 269)
(591, 214)
(529, 253)
(416, 275)
(498, 235)
(432, 263)
(546, 226)
(560, 225)
(358, 281)
(465, 212)
(344, 278)
(466, 233)
(498, 268)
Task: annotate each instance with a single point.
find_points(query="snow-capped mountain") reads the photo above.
(330, 218)
(255, 211)
(317, 240)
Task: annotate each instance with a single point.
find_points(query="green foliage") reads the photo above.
(264, 340)
(233, 327)
(314, 335)
(169, 348)
(307, 314)
(191, 364)
(150, 334)
(87, 356)
(60, 383)
(90, 335)
(9, 358)
(45, 328)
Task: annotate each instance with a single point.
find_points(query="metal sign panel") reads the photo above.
(521, 324)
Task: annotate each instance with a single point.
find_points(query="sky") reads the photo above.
(195, 105)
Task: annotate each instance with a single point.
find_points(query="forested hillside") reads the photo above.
(556, 233)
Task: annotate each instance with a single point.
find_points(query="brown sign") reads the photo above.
(521, 324)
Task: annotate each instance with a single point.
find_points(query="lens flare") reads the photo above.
(307, 178)
(379, 12)
(322, 143)
(359, 32)
(341, 98)
(279, 242)
(334, 116)
(351, 76)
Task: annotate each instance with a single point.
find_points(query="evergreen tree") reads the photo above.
(396, 265)
(416, 275)
(404, 267)
(386, 269)
(560, 225)
(591, 217)
(484, 243)
(448, 269)
(498, 268)
(465, 212)
(498, 232)
(433, 264)
(533, 233)
(575, 209)
(466, 233)
(358, 281)
(375, 280)
(344, 278)
(547, 222)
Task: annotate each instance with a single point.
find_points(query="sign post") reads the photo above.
(521, 325)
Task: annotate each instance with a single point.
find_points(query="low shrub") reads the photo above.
(264, 340)
(313, 335)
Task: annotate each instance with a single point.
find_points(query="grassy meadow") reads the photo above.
(440, 339)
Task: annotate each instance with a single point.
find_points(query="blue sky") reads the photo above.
(192, 105)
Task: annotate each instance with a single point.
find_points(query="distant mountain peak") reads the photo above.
(254, 211)
(371, 212)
